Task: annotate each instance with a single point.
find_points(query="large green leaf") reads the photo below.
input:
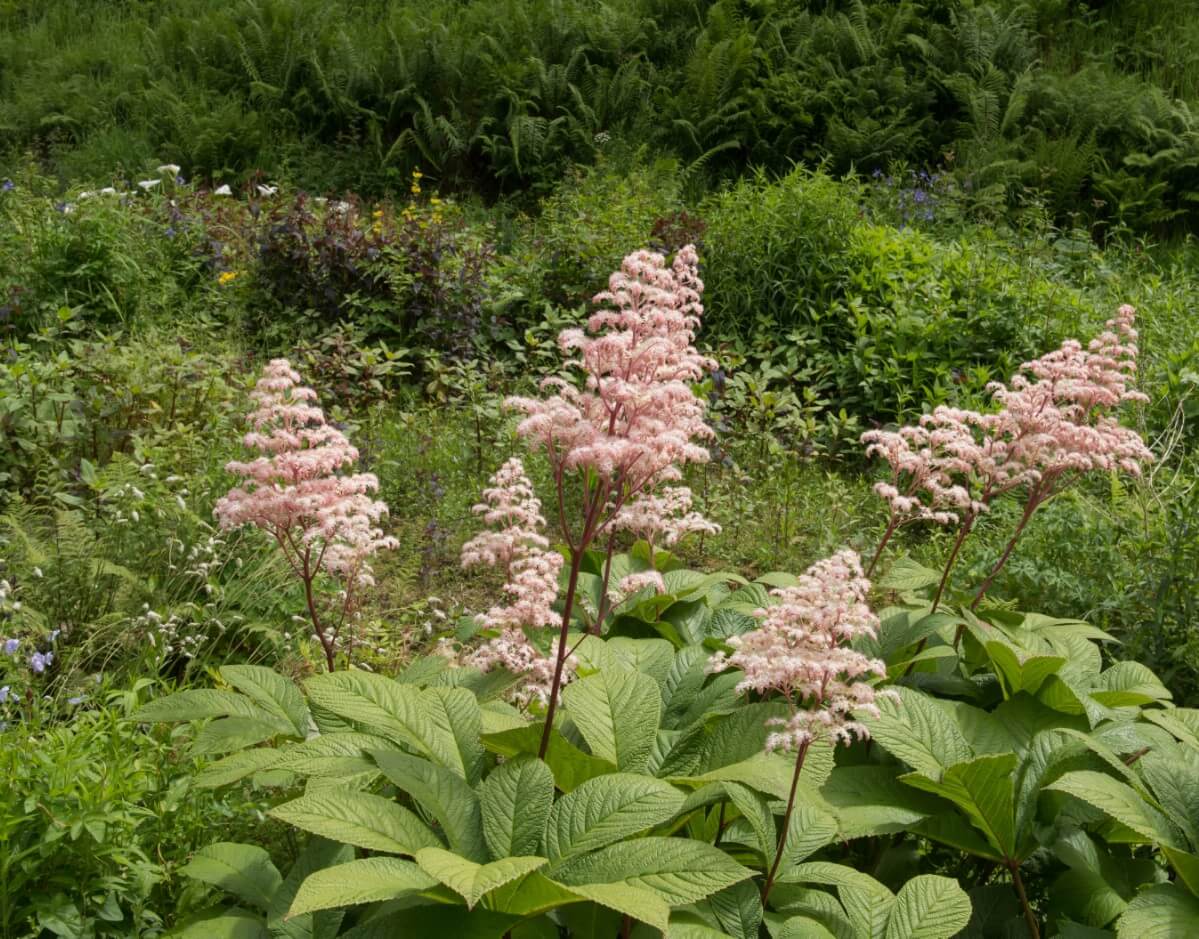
(226, 734)
(606, 809)
(1019, 670)
(271, 691)
(870, 800)
(738, 909)
(1129, 683)
(459, 722)
(227, 924)
(1121, 802)
(363, 881)
(199, 703)
(638, 903)
(516, 800)
(442, 793)
(1164, 911)
(570, 765)
(318, 854)
(929, 907)
(381, 706)
(236, 766)
(358, 818)
(473, 881)
(866, 902)
(676, 870)
(244, 870)
(331, 755)
(755, 809)
(810, 830)
(440, 919)
(983, 788)
(618, 713)
(920, 731)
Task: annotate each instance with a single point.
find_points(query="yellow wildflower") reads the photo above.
(227, 277)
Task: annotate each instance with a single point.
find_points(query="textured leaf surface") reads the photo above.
(679, 870)
(318, 854)
(618, 713)
(1121, 802)
(444, 794)
(364, 881)
(606, 809)
(236, 766)
(869, 800)
(378, 705)
(245, 870)
(199, 703)
(570, 765)
(358, 818)
(455, 713)
(516, 800)
(919, 731)
(472, 880)
(1164, 911)
(271, 691)
(983, 788)
(929, 907)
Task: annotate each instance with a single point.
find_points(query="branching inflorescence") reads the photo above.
(1054, 424)
(324, 521)
(624, 432)
(801, 651)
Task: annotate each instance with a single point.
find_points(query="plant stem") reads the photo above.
(603, 603)
(1034, 500)
(626, 927)
(1029, 917)
(953, 556)
(576, 563)
(878, 552)
(778, 854)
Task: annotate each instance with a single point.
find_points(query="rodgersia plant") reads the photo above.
(801, 651)
(634, 422)
(1053, 425)
(322, 518)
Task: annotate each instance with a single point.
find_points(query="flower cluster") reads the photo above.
(666, 514)
(515, 543)
(1053, 424)
(322, 520)
(635, 420)
(800, 650)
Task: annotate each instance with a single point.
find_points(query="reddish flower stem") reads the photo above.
(778, 854)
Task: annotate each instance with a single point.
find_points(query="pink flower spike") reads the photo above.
(801, 651)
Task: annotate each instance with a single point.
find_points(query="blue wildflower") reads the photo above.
(920, 195)
(77, 700)
(38, 663)
(11, 646)
(4, 695)
(7, 186)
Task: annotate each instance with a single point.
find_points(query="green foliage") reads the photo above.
(97, 819)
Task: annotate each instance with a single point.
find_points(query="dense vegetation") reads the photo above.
(218, 729)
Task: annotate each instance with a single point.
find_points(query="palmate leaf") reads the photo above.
(1129, 683)
(442, 793)
(516, 800)
(470, 880)
(363, 881)
(244, 870)
(607, 809)
(358, 818)
(618, 713)
(231, 733)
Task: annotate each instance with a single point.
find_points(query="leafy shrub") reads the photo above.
(97, 818)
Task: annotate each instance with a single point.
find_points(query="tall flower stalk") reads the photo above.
(322, 518)
(632, 423)
(1055, 423)
(800, 652)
